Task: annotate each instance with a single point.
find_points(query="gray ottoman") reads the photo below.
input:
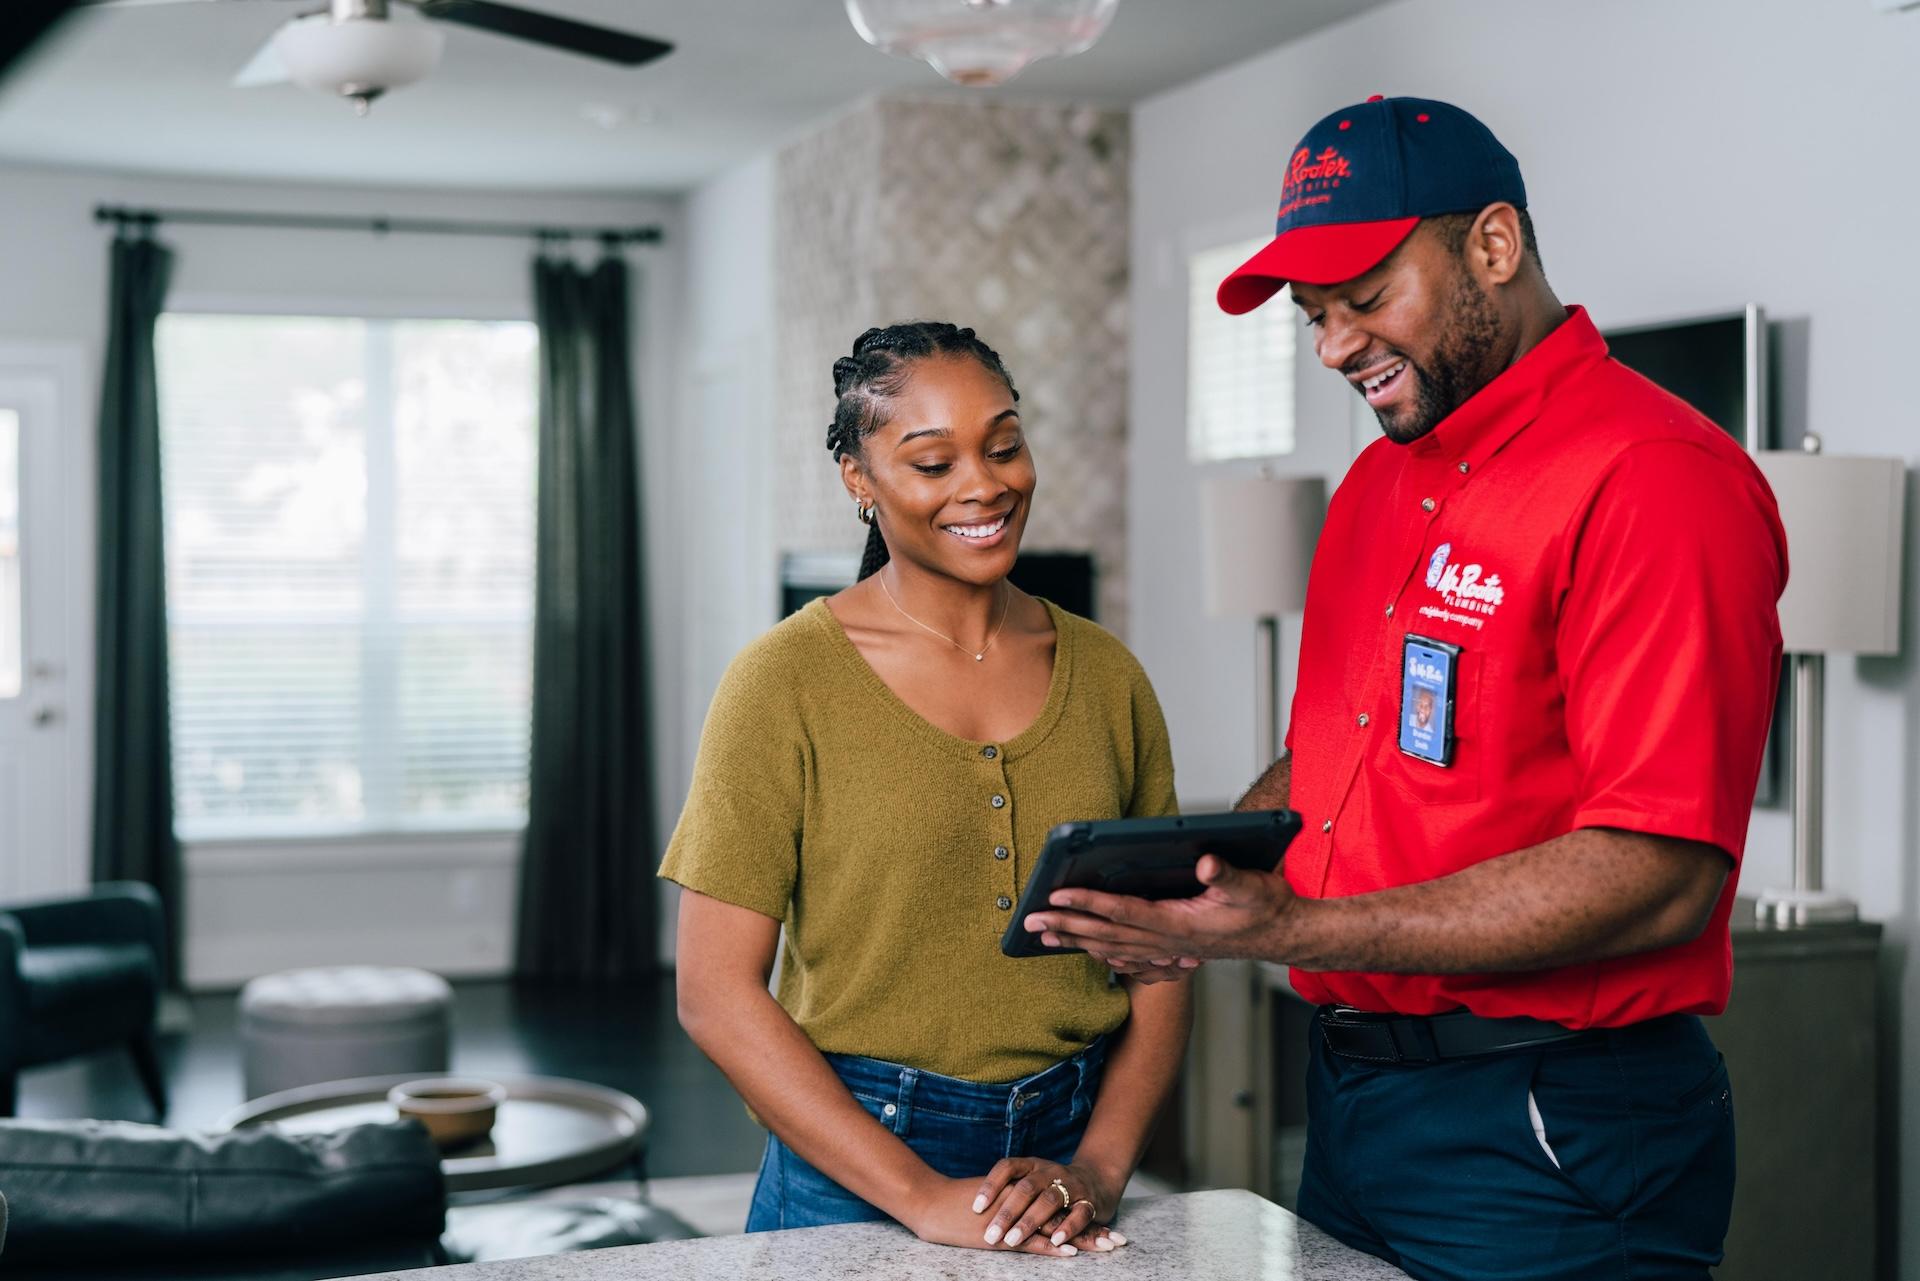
(301, 1027)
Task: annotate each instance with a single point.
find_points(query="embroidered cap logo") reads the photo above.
(1309, 177)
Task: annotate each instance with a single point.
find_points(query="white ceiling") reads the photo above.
(145, 89)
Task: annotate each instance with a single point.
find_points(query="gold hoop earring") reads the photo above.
(864, 512)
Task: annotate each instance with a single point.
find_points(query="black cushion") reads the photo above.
(107, 1191)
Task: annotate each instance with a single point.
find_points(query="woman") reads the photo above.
(879, 773)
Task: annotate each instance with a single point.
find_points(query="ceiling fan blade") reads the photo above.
(264, 68)
(543, 28)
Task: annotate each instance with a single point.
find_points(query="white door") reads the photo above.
(42, 815)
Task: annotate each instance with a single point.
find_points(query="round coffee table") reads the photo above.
(550, 1130)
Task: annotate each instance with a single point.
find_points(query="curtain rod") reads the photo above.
(147, 219)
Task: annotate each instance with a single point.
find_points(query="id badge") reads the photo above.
(1427, 672)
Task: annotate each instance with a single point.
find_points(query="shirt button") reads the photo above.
(1463, 469)
(1363, 720)
(989, 751)
(999, 801)
(1389, 611)
(888, 1110)
(999, 851)
(1426, 504)
(1003, 902)
(1327, 826)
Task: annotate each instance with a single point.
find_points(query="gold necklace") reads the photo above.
(1005, 601)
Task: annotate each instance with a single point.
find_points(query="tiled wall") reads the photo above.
(1011, 219)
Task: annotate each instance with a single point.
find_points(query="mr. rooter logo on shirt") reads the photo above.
(1310, 177)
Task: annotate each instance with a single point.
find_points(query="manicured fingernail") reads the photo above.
(1059, 1237)
(1013, 1237)
(979, 1204)
(993, 1234)
(1067, 1249)
(1103, 1243)
(1117, 1238)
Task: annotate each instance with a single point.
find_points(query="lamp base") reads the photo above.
(1797, 909)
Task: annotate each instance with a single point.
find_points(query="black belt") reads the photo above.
(1406, 1038)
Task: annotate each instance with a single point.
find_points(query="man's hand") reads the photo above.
(1239, 913)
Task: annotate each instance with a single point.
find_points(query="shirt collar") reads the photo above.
(1498, 411)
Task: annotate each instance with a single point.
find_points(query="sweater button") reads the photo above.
(989, 751)
(1427, 504)
(999, 801)
(1000, 851)
(1327, 826)
(1003, 902)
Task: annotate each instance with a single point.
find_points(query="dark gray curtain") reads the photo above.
(586, 880)
(132, 753)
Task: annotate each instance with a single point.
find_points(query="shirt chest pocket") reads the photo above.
(1423, 781)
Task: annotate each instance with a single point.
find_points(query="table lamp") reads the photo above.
(1256, 544)
(1845, 533)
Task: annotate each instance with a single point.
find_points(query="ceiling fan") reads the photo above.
(359, 49)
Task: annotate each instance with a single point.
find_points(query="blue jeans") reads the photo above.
(1438, 1169)
(960, 1128)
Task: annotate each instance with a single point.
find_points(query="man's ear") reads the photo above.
(1495, 249)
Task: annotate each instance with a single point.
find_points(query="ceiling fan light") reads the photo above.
(980, 42)
(357, 58)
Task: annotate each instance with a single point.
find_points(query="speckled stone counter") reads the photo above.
(1198, 1236)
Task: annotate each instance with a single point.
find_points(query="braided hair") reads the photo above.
(876, 372)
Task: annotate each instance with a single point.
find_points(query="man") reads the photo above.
(1511, 914)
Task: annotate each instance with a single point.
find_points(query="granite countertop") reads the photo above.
(1196, 1236)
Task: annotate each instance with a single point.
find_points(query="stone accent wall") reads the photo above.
(1011, 219)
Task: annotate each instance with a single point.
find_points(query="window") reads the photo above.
(1239, 368)
(349, 511)
(11, 630)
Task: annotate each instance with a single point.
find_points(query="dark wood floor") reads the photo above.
(625, 1037)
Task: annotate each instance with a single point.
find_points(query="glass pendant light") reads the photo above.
(980, 42)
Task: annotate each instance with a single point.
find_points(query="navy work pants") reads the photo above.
(1610, 1156)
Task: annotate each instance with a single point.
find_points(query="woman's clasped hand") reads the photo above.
(1019, 1206)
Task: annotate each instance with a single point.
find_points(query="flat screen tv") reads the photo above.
(1717, 364)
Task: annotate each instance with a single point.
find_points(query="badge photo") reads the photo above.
(1427, 671)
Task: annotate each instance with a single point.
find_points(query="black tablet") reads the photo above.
(1145, 858)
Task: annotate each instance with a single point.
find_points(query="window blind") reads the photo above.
(349, 525)
(1239, 368)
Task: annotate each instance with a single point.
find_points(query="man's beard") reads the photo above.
(1461, 363)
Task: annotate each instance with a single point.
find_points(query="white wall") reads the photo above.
(726, 548)
(447, 904)
(1679, 158)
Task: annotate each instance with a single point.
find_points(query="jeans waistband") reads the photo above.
(1074, 1080)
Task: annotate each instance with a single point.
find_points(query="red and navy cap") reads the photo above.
(1358, 184)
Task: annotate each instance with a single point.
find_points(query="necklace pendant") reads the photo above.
(977, 657)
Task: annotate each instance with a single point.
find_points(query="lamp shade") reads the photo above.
(357, 56)
(1256, 542)
(1844, 519)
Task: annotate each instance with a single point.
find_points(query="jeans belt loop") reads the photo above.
(903, 1100)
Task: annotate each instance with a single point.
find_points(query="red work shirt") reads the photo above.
(1609, 563)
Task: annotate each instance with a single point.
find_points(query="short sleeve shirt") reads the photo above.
(895, 852)
(1608, 564)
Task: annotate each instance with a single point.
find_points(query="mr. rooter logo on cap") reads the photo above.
(1309, 177)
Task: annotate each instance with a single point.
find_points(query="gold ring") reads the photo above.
(1083, 1201)
(1066, 1197)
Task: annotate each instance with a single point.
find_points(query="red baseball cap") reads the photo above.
(1359, 183)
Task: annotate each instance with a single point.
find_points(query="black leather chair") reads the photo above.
(79, 975)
